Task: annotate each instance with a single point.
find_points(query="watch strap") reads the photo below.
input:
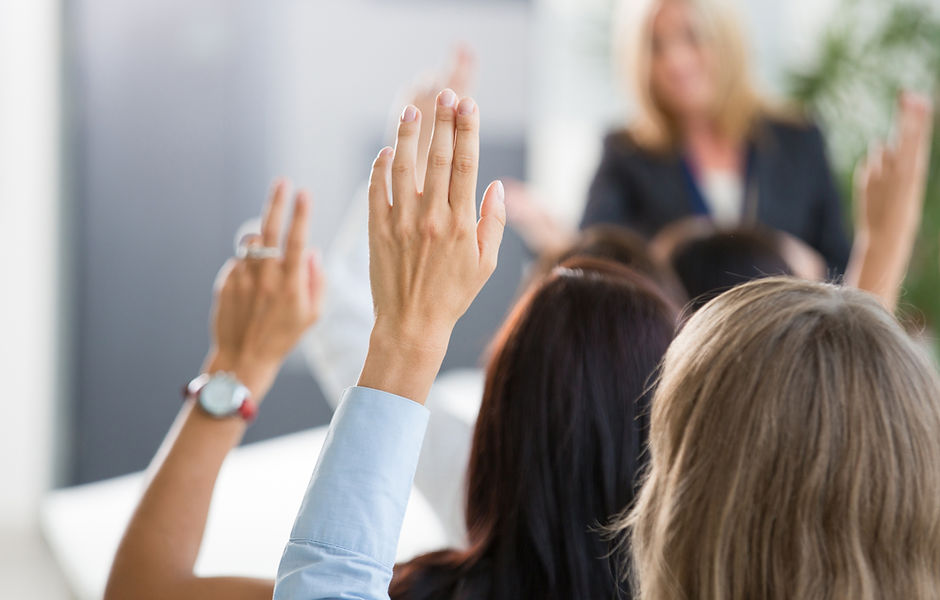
(248, 410)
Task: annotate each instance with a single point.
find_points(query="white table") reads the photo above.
(256, 499)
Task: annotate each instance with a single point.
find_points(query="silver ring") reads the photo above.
(259, 252)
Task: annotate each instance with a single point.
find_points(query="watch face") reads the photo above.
(222, 396)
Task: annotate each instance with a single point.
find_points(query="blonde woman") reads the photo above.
(794, 446)
(704, 142)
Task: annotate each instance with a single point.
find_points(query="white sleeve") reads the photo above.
(336, 348)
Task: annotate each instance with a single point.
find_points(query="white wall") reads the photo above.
(29, 270)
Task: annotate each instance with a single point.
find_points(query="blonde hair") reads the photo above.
(795, 453)
(738, 103)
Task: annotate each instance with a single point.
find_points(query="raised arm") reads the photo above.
(262, 306)
(337, 348)
(890, 199)
(429, 257)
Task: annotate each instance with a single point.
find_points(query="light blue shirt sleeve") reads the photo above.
(345, 536)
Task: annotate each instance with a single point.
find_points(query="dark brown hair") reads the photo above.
(558, 442)
(712, 264)
(621, 245)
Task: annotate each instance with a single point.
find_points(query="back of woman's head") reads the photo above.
(558, 440)
(617, 244)
(794, 442)
(711, 264)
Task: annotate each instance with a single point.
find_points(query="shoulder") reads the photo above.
(622, 147)
(620, 141)
(792, 132)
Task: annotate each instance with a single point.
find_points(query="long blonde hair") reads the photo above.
(795, 453)
(738, 103)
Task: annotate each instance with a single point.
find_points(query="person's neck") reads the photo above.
(703, 131)
(708, 146)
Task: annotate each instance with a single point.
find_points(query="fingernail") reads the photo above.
(500, 191)
(447, 98)
(409, 114)
(466, 106)
(386, 152)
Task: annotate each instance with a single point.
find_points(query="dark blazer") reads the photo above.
(790, 188)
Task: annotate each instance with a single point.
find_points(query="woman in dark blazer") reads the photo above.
(704, 143)
(789, 187)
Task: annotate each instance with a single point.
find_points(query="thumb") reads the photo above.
(491, 225)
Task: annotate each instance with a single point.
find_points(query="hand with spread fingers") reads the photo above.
(890, 186)
(267, 298)
(429, 254)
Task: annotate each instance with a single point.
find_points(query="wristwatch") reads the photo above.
(221, 395)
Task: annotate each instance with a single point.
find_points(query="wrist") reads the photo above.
(403, 363)
(418, 338)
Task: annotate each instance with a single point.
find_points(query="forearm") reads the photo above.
(162, 541)
(879, 266)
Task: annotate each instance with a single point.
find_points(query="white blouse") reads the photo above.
(724, 194)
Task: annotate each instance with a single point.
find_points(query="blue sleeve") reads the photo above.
(345, 536)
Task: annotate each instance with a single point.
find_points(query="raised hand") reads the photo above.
(264, 304)
(457, 76)
(890, 186)
(429, 255)
(890, 182)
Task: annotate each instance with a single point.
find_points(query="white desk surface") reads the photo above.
(256, 499)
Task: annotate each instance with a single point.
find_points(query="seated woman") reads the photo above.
(558, 442)
(555, 452)
(824, 483)
(703, 141)
(336, 348)
(840, 504)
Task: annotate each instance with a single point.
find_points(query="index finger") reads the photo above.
(297, 234)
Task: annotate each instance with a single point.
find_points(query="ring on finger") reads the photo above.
(259, 252)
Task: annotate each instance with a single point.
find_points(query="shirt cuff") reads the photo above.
(357, 496)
